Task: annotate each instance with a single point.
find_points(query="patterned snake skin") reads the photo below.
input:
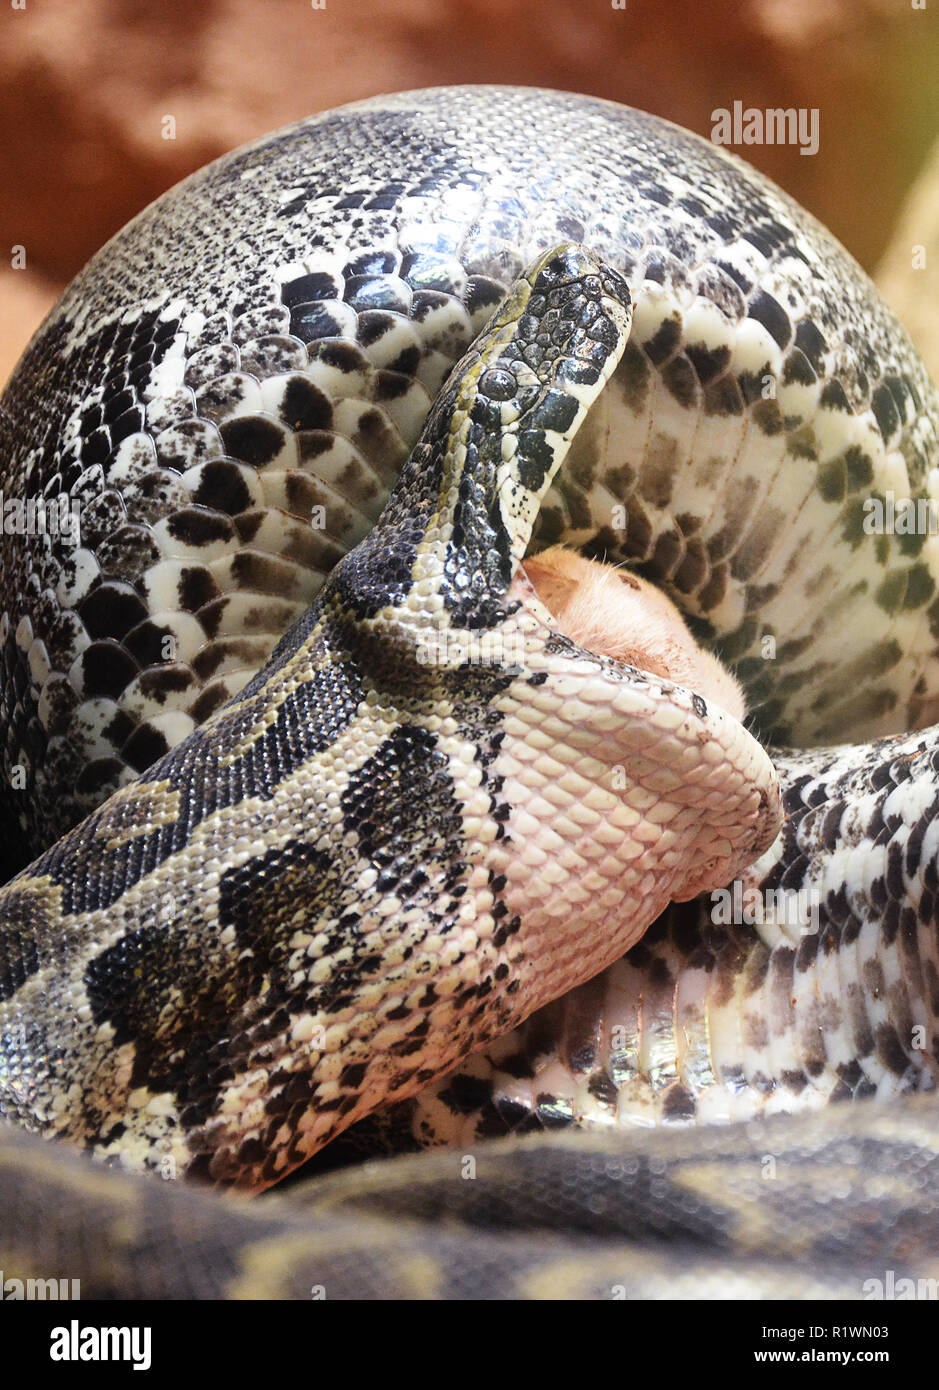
(326, 893)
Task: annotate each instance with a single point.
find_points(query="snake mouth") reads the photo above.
(722, 870)
(611, 612)
(650, 790)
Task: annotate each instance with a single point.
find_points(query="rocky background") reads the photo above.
(86, 87)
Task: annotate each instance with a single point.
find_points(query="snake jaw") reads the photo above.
(613, 613)
(627, 790)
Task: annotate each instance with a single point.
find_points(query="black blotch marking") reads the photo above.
(369, 292)
(99, 774)
(798, 369)
(310, 322)
(252, 439)
(317, 285)
(222, 487)
(890, 1050)
(661, 346)
(195, 526)
(107, 669)
(372, 263)
(885, 411)
(679, 1103)
(464, 1094)
(709, 363)
(304, 406)
(833, 397)
(771, 314)
(195, 588)
(111, 610)
(681, 381)
(144, 746)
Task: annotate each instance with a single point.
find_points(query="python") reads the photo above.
(470, 323)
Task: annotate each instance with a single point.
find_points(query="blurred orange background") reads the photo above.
(86, 85)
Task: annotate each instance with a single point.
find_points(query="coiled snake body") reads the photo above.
(431, 814)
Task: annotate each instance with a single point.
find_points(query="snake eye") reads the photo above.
(497, 384)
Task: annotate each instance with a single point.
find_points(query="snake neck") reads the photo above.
(813, 977)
